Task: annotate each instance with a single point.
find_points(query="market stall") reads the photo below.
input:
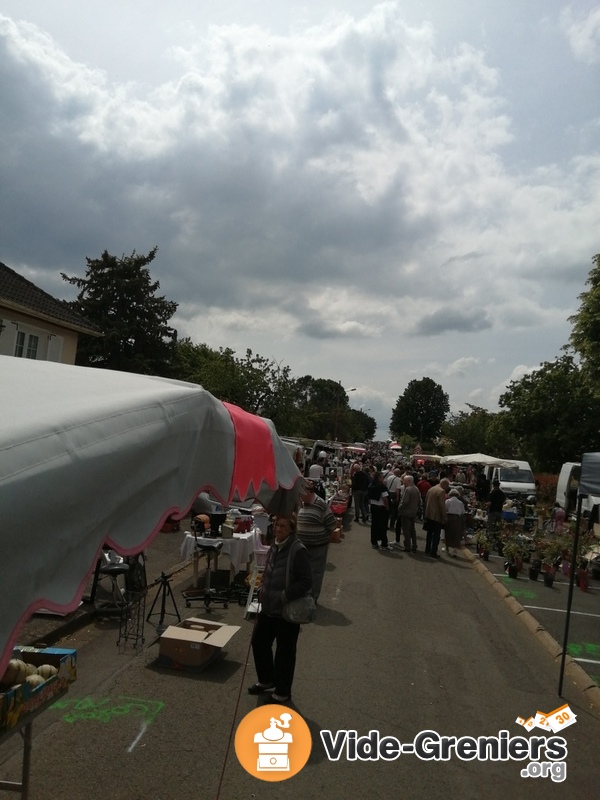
(478, 459)
(92, 457)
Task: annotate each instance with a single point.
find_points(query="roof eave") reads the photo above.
(48, 318)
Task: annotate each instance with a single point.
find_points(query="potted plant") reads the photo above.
(535, 556)
(483, 545)
(534, 569)
(514, 550)
(551, 551)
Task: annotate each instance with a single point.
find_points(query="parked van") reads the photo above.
(567, 487)
(515, 482)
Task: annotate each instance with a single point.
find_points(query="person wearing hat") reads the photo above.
(496, 500)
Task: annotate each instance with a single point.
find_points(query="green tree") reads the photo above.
(553, 414)
(466, 431)
(585, 336)
(119, 296)
(501, 439)
(420, 411)
(321, 405)
(256, 384)
(363, 426)
(215, 370)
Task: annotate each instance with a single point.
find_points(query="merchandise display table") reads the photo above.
(25, 727)
(239, 548)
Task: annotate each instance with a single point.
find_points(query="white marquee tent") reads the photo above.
(480, 459)
(91, 456)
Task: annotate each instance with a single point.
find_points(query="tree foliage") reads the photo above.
(553, 414)
(585, 336)
(467, 431)
(119, 296)
(306, 407)
(420, 411)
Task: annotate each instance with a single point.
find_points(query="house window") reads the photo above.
(19, 346)
(32, 345)
(27, 348)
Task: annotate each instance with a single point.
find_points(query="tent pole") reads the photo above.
(570, 596)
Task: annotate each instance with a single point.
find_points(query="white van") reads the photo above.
(567, 487)
(515, 482)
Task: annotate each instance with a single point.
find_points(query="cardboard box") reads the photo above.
(193, 643)
(17, 703)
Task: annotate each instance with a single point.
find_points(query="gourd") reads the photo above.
(35, 679)
(16, 672)
(47, 671)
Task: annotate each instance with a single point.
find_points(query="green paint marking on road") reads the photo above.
(528, 594)
(107, 709)
(580, 649)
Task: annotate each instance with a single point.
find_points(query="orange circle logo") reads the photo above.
(273, 743)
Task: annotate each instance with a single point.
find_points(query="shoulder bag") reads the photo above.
(302, 610)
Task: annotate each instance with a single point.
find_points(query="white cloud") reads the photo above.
(516, 375)
(341, 193)
(583, 33)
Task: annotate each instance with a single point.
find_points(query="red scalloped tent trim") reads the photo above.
(254, 457)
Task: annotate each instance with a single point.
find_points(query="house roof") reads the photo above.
(23, 295)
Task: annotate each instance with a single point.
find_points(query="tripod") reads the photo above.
(164, 591)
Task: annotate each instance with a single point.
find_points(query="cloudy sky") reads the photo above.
(368, 192)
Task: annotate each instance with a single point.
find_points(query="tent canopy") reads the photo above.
(92, 456)
(480, 459)
(589, 482)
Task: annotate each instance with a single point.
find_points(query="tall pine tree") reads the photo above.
(119, 295)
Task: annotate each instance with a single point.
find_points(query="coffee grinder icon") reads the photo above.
(273, 746)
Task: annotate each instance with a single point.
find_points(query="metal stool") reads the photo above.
(207, 595)
(112, 569)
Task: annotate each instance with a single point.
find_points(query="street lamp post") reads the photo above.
(337, 412)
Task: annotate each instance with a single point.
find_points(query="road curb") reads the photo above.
(55, 630)
(590, 689)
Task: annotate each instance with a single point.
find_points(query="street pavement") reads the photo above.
(549, 606)
(402, 644)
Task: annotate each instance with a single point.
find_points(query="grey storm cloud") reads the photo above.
(331, 181)
(447, 320)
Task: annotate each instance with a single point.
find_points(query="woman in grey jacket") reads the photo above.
(275, 674)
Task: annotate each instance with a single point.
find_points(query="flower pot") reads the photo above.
(548, 579)
(583, 580)
(486, 555)
(513, 571)
(533, 573)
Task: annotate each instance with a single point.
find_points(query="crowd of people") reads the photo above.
(391, 499)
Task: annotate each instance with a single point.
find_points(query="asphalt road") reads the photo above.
(549, 606)
(402, 644)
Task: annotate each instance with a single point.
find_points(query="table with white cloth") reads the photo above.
(239, 548)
